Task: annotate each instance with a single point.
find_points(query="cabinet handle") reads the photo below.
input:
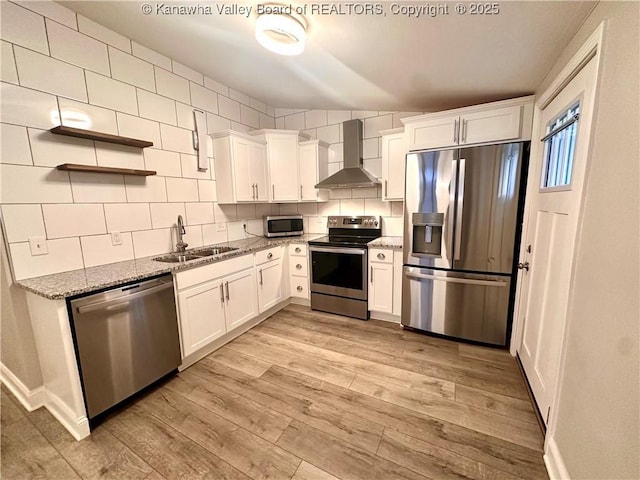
(273, 191)
(371, 279)
(455, 131)
(298, 250)
(381, 256)
(300, 192)
(298, 267)
(260, 272)
(299, 288)
(253, 191)
(222, 293)
(269, 255)
(386, 189)
(227, 286)
(464, 131)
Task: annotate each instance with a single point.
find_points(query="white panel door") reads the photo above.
(269, 284)
(241, 297)
(553, 218)
(201, 311)
(490, 125)
(393, 155)
(308, 161)
(283, 167)
(381, 287)
(434, 133)
(258, 169)
(241, 157)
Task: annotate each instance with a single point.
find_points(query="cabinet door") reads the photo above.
(258, 167)
(242, 152)
(283, 168)
(202, 317)
(381, 287)
(393, 155)
(269, 284)
(308, 158)
(434, 133)
(491, 125)
(397, 283)
(241, 297)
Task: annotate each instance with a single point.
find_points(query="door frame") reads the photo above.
(590, 50)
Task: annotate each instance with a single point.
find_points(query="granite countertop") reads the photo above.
(76, 282)
(394, 243)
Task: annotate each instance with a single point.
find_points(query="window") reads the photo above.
(560, 148)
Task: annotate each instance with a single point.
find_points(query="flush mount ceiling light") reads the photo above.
(282, 33)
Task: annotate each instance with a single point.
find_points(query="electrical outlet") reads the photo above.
(38, 246)
(222, 227)
(116, 238)
(244, 227)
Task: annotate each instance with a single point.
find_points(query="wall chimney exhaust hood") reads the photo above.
(352, 175)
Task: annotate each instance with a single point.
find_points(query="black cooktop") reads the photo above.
(342, 241)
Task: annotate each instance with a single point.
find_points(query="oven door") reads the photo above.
(339, 271)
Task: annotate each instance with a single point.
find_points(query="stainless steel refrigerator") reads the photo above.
(462, 223)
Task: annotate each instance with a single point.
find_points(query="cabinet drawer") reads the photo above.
(299, 266)
(298, 249)
(381, 255)
(299, 287)
(268, 255)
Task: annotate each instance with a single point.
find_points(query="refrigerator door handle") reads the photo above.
(459, 210)
(469, 281)
(450, 217)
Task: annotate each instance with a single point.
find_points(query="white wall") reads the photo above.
(598, 430)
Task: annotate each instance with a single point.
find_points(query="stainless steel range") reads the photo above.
(339, 275)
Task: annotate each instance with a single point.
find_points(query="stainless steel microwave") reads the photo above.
(283, 226)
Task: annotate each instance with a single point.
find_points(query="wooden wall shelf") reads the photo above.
(102, 137)
(74, 167)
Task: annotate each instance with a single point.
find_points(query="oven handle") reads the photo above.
(348, 251)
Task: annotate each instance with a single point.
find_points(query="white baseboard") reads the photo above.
(554, 463)
(78, 427)
(30, 399)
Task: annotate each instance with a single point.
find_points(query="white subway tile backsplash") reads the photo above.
(76, 48)
(120, 156)
(136, 127)
(144, 53)
(113, 94)
(216, 123)
(50, 150)
(362, 114)
(156, 107)
(187, 72)
(27, 184)
(375, 206)
(8, 73)
(338, 116)
(127, 217)
(256, 227)
(364, 192)
(397, 209)
(271, 111)
(308, 209)
(172, 86)
(23, 106)
(131, 70)
(288, 208)
(228, 108)
(294, 122)
(97, 31)
(352, 207)
(224, 213)
(152, 242)
(176, 139)
(163, 162)
(22, 222)
(190, 168)
(315, 118)
(82, 115)
(193, 236)
(370, 148)
(326, 209)
(336, 153)
(281, 112)
(399, 115)
(258, 105)
(280, 123)
(239, 97)
(14, 145)
(97, 188)
(22, 27)
(266, 121)
(373, 166)
(64, 255)
(373, 125)
(164, 215)
(51, 10)
(145, 189)
(182, 189)
(218, 87)
(339, 194)
(199, 213)
(211, 235)
(99, 250)
(47, 74)
(184, 115)
(333, 168)
(392, 226)
(246, 211)
(73, 220)
(207, 191)
(249, 116)
(235, 231)
(329, 134)
(203, 98)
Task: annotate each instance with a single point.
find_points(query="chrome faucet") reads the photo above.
(181, 246)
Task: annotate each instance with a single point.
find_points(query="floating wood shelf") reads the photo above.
(102, 137)
(74, 167)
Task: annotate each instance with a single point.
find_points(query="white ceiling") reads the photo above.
(364, 62)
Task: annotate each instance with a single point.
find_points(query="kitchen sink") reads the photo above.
(194, 255)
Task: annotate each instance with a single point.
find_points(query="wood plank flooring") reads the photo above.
(304, 396)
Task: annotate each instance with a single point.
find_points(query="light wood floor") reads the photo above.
(305, 396)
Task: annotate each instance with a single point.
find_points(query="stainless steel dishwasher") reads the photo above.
(126, 338)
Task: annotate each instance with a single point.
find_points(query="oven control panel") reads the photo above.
(372, 221)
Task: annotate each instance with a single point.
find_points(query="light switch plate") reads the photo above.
(38, 246)
(116, 238)
(222, 227)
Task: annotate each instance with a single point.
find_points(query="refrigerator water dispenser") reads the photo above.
(427, 234)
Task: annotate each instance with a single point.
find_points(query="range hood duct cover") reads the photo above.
(352, 175)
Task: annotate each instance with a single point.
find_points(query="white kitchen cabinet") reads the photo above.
(282, 160)
(270, 279)
(201, 311)
(508, 120)
(381, 280)
(299, 272)
(397, 283)
(240, 298)
(393, 159)
(240, 167)
(313, 158)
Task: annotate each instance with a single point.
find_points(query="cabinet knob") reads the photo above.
(298, 267)
(299, 288)
(381, 256)
(270, 255)
(298, 249)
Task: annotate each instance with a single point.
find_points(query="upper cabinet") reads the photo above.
(313, 163)
(393, 155)
(241, 168)
(282, 159)
(508, 120)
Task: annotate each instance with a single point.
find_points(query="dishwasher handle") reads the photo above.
(116, 302)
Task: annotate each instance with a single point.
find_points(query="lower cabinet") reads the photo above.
(240, 298)
(269, 278)
(299, 271)
(385, 281)
(202, 315)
